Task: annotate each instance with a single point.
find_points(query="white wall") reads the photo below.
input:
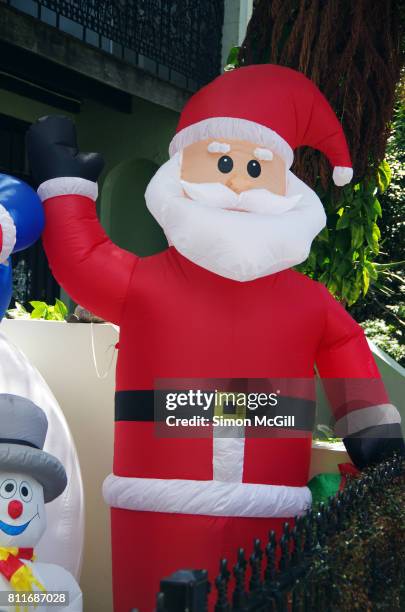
(62, 353)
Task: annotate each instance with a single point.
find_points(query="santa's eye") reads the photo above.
(254, 168)
(225, 164)
(25, 491)
(8, 488)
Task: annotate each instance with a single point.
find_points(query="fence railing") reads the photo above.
(178, 40)
(337, 558)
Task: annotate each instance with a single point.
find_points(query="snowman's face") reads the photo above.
(22, 510)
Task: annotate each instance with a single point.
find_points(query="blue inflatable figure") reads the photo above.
(21, 224)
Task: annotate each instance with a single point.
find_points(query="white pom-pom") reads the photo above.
(342, 175)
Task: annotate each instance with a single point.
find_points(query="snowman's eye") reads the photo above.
(25, 492)
(8, 488)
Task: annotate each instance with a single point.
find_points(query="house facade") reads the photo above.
(122, 70)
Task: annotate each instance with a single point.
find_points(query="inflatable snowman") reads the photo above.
(29, 478)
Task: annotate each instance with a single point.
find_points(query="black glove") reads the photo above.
(375, 444)
(53, 152)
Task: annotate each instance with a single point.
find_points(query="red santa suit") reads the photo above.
(187, 502)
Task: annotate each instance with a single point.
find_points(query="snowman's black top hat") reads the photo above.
(23, 427)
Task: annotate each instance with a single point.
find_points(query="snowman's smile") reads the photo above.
(14, 530)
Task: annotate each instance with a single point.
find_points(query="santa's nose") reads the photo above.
(238, 183)
(15, 508)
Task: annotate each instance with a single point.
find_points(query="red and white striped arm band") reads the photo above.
(68, 185)
(205, 497)
(370, 416)
(8, 234)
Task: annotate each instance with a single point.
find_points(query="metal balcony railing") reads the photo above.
(177, 40)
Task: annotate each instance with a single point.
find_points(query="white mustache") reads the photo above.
(260, 201)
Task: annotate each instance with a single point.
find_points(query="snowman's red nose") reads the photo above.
(15, 508)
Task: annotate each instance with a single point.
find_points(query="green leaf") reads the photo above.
(357, 232)
(343, 222)
(366, 281)
(383, 176)
(371, 269)
(61, 308)
(38, 306)
(39, 313)
(377, 207)
(372, 240)
(376, 231)
(232, 59)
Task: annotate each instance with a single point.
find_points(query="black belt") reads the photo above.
(147, 406)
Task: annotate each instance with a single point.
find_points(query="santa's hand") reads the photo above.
(53, 151)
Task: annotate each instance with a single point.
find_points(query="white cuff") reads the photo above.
(342, 175)
(68, 185)
(9, 234)
(371, 416)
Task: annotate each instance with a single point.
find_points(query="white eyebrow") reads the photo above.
(263, 154)
(219, 147)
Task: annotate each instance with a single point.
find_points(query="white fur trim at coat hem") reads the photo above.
(232, 128)
(205, 497)
(68, 185)
(9, 234)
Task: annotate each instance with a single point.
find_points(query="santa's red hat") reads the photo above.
(269, 105)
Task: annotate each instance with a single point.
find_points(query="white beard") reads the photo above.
(274, 235)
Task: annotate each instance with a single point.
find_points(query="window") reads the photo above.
(32, 277)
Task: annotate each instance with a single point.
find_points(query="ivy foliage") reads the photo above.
(343, 255)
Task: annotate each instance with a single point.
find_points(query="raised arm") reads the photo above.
(85, 262)
(366, 420)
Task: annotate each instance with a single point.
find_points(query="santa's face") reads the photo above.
(232, 208)
(22, 510)
(238, 164)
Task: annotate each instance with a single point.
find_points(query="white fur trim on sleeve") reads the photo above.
(371, 416)
(9, 234)
(342, 175)
(68, 185)
(207, 497)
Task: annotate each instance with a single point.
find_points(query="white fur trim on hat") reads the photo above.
(342, 175)
(239, 129)
(67, 185)
(9, 234)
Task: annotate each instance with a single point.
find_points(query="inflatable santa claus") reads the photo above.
(222, 302)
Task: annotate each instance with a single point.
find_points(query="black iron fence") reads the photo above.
(348, 554)
(178, 40)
